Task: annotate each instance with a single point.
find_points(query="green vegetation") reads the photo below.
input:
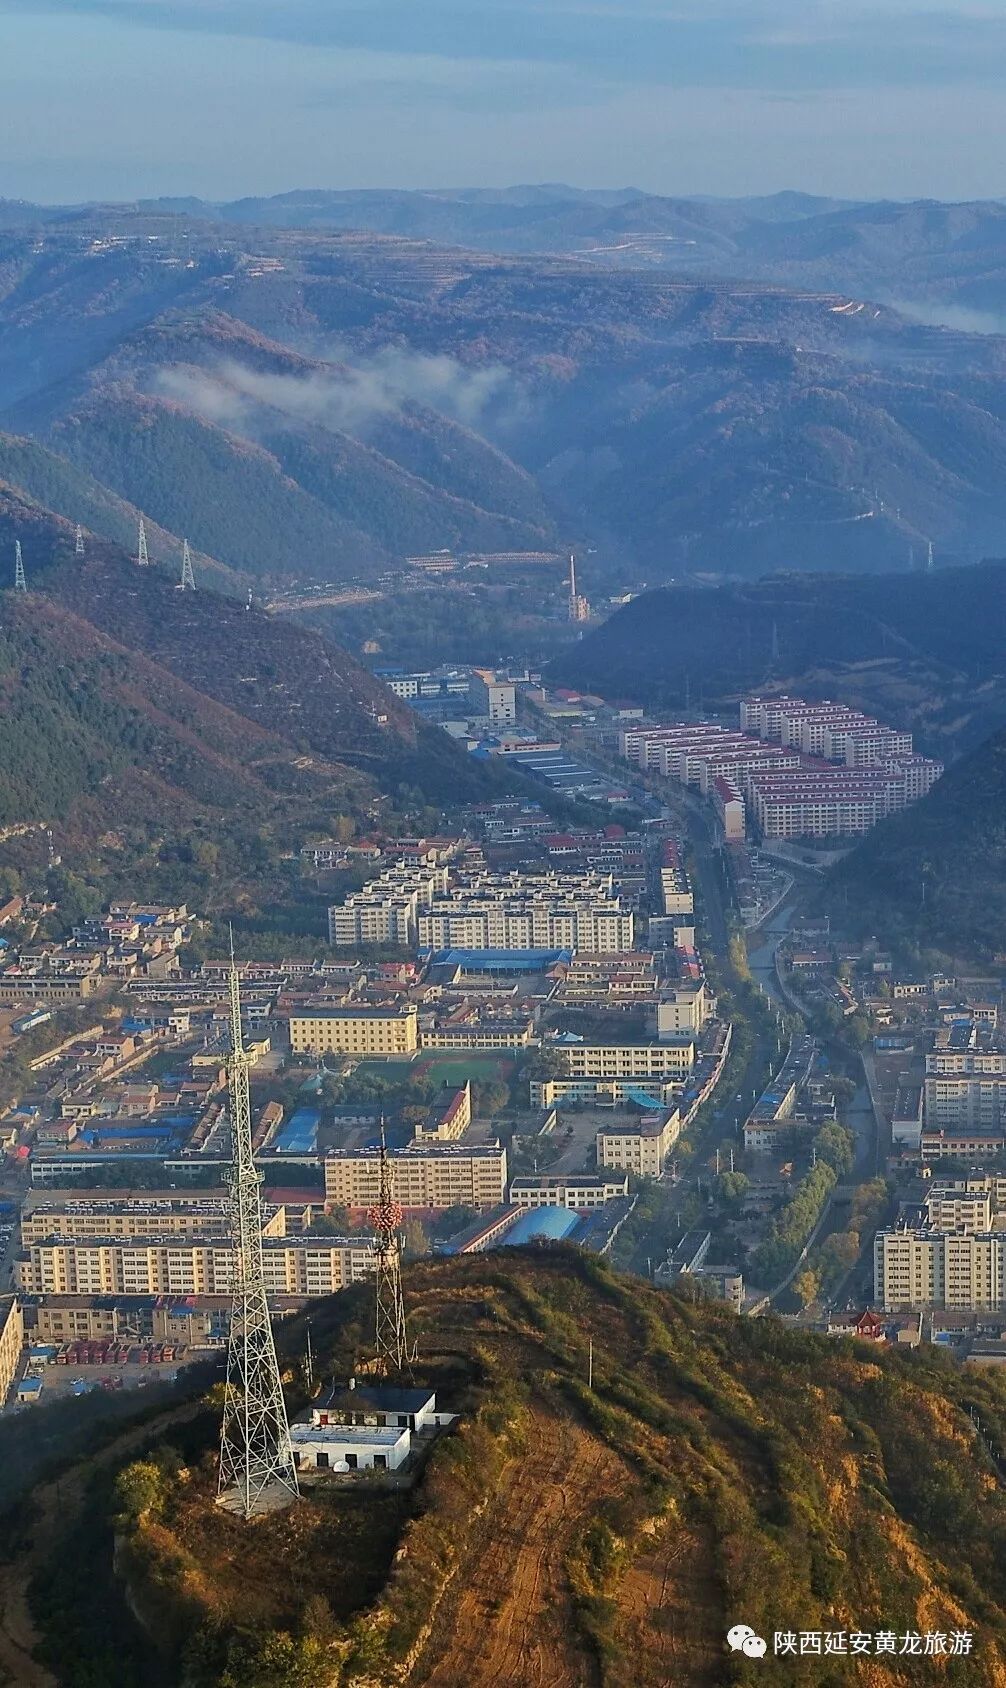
(717, 1466)
(921, 650)
(934, 877)
(792, 1227)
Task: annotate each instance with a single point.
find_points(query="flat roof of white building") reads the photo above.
(349, 1435)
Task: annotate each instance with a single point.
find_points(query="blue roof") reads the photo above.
(501, 960)
(299, 1136)
(541, 1224)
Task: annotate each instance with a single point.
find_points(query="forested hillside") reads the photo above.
(127, 702)
(923, 649)
(717, 1470)
(934, 877)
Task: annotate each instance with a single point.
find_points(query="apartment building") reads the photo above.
(639, 1146)
(616, 980)
(385, 911)
(916, 1268)
(728, 801)
(355, 1031)
(965, 1089)
(173, 1265)
(675, 887)
(11, 1343)
(814, 803)
(685, 1008)
(448, 1120)
(125, 1213)
(435, 1175)
(948, 1208)
(515, 911)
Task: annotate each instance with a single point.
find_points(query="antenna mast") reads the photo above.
(142, 559)
(257, 1471)
(393, 1356)
(20, 584)
(78, 543)
(187, 582)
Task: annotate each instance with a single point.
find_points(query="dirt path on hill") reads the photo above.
(50, 1503)
(507, 1620)
(667, 1627)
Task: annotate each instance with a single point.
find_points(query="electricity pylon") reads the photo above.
(141, 546)
(20, 584)
(393, 1356)
(187, 582)
(257, 1471)
(78, 543)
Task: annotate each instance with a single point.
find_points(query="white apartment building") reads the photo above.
(951, 1209)
(385, 910)
(515, 911)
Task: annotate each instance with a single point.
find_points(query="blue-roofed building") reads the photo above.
(501, 960)
(299, 1136)
(542, 1225)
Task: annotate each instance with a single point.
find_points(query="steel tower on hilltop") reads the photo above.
(393, 1357)
(141, 546)
(188, 581)
(20, 584)
(78, 542)
(257, 1471)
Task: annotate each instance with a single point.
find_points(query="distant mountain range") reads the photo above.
(909, 251)
(307, 402)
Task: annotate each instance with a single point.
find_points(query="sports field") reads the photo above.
(455, 1069)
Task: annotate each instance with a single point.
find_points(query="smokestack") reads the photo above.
(572, 575)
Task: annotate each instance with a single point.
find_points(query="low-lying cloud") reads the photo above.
(349, 398)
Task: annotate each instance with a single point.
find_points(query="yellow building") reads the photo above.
(640, 1146)
(683, 1009)
(427, 1176)
(124, 1213)
(11, 1342)
(355, 1031)
(300, 1265)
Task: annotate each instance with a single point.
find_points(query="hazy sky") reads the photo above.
(117, 98)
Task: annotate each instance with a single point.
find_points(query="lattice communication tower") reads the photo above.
(257, 1471)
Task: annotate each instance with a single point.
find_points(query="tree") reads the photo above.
(139, 1490)
(416, 1241)
(806, 1286)
(733, 1186)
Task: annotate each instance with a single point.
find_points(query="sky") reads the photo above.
(117, 99)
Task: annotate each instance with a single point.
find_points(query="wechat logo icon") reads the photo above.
(741, 1638)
